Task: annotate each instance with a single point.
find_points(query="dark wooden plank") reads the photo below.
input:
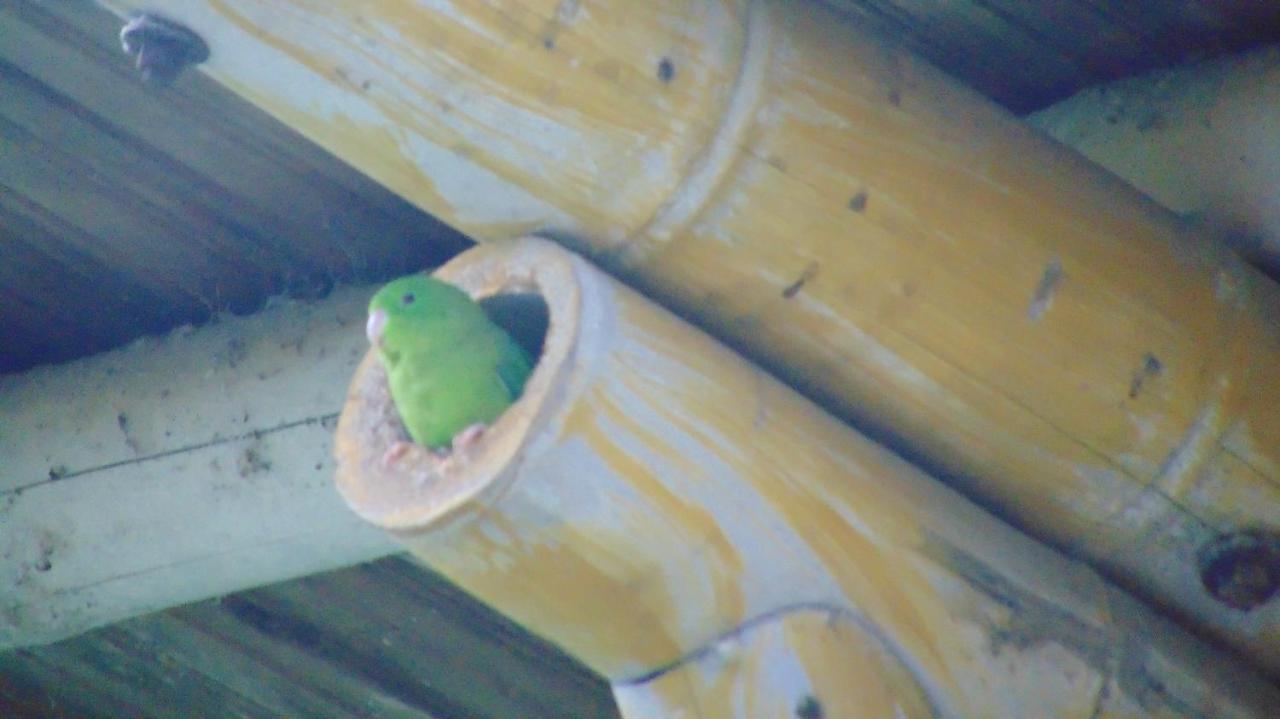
(130, 232)
(32, 685)
(22, 695)
(1092, 41)
(241, 669)
(201, 125)
(60, 237)
(422, 641)
(74, 287)
(203, 103)
(469, 640)
(26, 331)
(107, 675)
(187, 196)
(46, 235)
(977, 46)
(306, 658)
(58, 279)
(1183, 30)
(386, 639)
(1028, 54)
(229, 224)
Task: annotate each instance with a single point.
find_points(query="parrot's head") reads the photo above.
(411, 306)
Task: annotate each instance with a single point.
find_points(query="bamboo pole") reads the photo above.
(176, 469)
(1199, 139)
(925, 265)
(652, 494)
(806, 663)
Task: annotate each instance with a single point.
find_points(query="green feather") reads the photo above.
(448, 365)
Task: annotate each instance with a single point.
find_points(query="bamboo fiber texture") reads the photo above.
(923, 264)
(653, 502)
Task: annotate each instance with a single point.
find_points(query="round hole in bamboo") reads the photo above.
(523, 314)
(403, 487)
(1242, 569)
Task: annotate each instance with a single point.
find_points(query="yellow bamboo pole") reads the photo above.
(923, 264)
(652, 495)
(807, 663)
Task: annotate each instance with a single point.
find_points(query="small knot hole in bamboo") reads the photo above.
(1242, 569)
(536, 304)
(666, 70)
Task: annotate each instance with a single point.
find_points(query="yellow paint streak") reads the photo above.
(686, 518)
(873, 570)
(851, 673)
(584, 599)
(880, 580)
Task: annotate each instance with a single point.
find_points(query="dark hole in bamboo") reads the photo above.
(1242, 569)
(524, 315)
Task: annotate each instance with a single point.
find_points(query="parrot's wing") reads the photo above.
(504, 383)
(513, 368)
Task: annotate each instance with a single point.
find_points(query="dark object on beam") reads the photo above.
(162, 48)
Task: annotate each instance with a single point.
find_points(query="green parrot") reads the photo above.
(450, 369)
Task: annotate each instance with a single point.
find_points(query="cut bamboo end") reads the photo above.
(533, 294)
(652, 493)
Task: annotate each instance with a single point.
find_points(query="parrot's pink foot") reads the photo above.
(407, 455)
(468, 437)
(395, 453)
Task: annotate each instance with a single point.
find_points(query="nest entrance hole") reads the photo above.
(524, 315)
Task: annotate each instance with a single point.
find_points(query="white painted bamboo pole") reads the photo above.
(652, 495)
(1202, 140)
(176, 469)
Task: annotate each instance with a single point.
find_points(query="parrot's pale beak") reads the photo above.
(373, 328)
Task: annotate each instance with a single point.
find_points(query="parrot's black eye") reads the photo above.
(408, 298)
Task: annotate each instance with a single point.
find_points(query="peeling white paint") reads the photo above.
(473, 194)
(1109, 493)
(1146, 427)
(1190, 453)
(783, 675)
(460, 17)
(807, 110)
(236, 56)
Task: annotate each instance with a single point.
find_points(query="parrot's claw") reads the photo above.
(427, 461)
(468, 437)
(395, 453)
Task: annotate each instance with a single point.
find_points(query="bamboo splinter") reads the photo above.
(677, 519)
